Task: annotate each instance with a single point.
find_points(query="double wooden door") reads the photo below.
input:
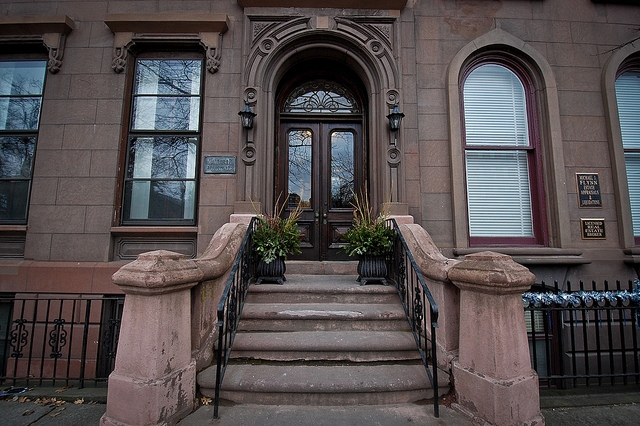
(320, 166)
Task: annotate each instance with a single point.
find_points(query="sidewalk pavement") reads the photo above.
(85, 407)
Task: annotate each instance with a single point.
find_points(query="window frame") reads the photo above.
(631, 64)
(533, 149)
(30, 133)
(129, 134)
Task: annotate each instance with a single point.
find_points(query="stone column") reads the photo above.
(154, 377)
(493, 376)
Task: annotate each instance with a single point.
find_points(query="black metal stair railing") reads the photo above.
(419, 306)
(230, 306)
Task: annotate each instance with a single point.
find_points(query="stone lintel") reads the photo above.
(491, 273)
(35, 25)
(158, 272)
(51, 31)
(340, 4)
(167, 23)
(205, 29)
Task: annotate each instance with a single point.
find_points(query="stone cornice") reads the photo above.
(51, 31)
(205, 29)
(338, 4)
(168, 23)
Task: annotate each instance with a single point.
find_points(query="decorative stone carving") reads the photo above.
(249, 154)
(370, 28)
(374, 34)
(340, 4)
(203, 29)
(393, 156)
(251, 95)
(51, 31)
(392, 98)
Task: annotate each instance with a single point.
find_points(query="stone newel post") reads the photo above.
(156, 328)
(493, 375)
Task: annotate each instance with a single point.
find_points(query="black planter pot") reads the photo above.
(271, 272)
(372, 268)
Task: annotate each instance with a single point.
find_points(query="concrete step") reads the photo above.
(309, 267)
(322, 340)
(321, 289)
(322, 317)
(360, 384)
(354, 346)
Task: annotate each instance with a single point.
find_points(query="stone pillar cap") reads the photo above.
(493, 273)
(158, 272)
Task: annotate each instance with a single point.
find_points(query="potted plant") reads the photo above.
(273, 239)
(370, 239)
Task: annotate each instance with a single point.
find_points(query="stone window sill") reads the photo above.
(155, 230)
(533, 255)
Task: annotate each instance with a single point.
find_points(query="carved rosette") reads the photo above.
(393, 156)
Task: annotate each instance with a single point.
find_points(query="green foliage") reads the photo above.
(275, 236)
(369, 234)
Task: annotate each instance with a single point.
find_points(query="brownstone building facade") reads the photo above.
(120, 130)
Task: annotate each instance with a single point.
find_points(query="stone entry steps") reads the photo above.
(323, 340)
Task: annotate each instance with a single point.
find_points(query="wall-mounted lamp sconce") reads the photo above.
(395, 118)
(246, 117)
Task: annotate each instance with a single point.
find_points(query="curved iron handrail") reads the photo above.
(415, 297)
(231, 304)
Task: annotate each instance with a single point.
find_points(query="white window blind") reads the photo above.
(498, 188)
(495, 110)
(498, 194)
(628, 97)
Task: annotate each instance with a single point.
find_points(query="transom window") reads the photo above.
(160, 179)
(628, 98)
(21, 89)
(321, 97)
(500, 153)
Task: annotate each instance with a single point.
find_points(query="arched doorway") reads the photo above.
(321, 153)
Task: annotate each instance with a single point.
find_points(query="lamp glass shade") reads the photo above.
(246, 116)
(395, 118)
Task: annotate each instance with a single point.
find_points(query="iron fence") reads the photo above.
(419, 306)
(58, 339)
(584, 336)
(230, 306)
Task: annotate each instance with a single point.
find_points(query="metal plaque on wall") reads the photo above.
(588, 190)
(593, 229)
(220, 165)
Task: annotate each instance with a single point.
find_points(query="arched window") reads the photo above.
(628, 99)
(501, 146)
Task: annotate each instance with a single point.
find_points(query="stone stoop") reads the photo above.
(323, 340)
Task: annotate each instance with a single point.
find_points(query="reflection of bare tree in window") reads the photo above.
(21, 84)
(16, 156)
(169, 88)
(342, 169)
(300, 166)
(21, 89)
(171, 159)
(162, 168)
